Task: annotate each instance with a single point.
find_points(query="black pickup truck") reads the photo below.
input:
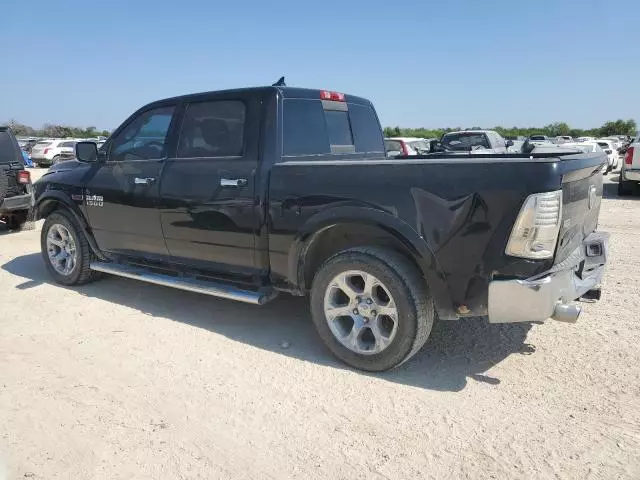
(246, 193)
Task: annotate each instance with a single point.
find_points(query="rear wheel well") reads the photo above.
(326, 243)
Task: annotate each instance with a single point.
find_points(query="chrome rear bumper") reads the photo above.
(552, 295)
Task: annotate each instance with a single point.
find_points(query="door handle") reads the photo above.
(144, 181)
(233, 182)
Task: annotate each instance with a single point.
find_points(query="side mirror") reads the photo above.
(508, 143)
(86, 152)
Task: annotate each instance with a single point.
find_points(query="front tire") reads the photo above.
(65, 250)
(371, 308)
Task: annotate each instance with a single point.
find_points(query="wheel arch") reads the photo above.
(51, 201)
(338, 229)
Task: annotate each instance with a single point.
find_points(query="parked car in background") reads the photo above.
(563, 139)
(585, 139)
(539, 140)
(586, 147)
(630, 171)
(481, 141)
(16, 192)
(611, 151)
(403, 146)
(49, 152)
(615, 142)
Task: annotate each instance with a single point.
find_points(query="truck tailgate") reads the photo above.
(581, 199)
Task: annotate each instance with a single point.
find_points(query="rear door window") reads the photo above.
(304, 128)
(213, 129)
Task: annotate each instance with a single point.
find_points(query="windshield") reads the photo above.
(463, 141)
(393, 147)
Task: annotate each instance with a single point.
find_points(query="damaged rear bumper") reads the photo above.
(553, 294)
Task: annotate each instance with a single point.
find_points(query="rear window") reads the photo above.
(465, 141)
(309, 129)
(67, 144)
(366, 129)
(9, 151)
(603, 144)
(338, 127)
(538, 137)
(44, 143)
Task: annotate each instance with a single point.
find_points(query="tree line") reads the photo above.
(55, 131)
(618, 127)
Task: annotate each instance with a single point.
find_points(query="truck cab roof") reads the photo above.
(285, 92)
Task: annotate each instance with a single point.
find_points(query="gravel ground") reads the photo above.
(122, 380)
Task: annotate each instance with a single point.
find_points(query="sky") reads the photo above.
(460, 63)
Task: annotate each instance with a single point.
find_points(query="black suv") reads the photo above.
(16, 192)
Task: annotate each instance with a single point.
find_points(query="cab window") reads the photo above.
(145, 137)
(212, 129)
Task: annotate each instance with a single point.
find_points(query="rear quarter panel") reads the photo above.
(462, 210)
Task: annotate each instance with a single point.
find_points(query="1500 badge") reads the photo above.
(94, 200)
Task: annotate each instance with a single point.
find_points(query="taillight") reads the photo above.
(334, 96)
(46, 150)
(536, 230)
(24, 177)
(628, 157)
(405, 150)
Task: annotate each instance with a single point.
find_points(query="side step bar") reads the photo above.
(185, 283)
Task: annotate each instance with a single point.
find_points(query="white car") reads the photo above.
(539, 140)
(480, 141)
(630, 171)
(49, 152)
(585, 139)
(616, 142)
(560, 139)
(406, 146)
(611, 151)
(586, 147)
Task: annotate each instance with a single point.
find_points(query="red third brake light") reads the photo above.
(334, 96)
(628, 157)
(24, 177)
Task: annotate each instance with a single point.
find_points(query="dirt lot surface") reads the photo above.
(123, 380)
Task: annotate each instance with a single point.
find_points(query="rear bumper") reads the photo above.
(630, 174)
(552, 295)
(19, 202)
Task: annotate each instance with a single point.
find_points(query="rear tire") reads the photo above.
(56, 160)
(55, 245)
(372, 341)
(625, 188)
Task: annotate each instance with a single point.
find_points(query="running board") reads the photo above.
(185, 283)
